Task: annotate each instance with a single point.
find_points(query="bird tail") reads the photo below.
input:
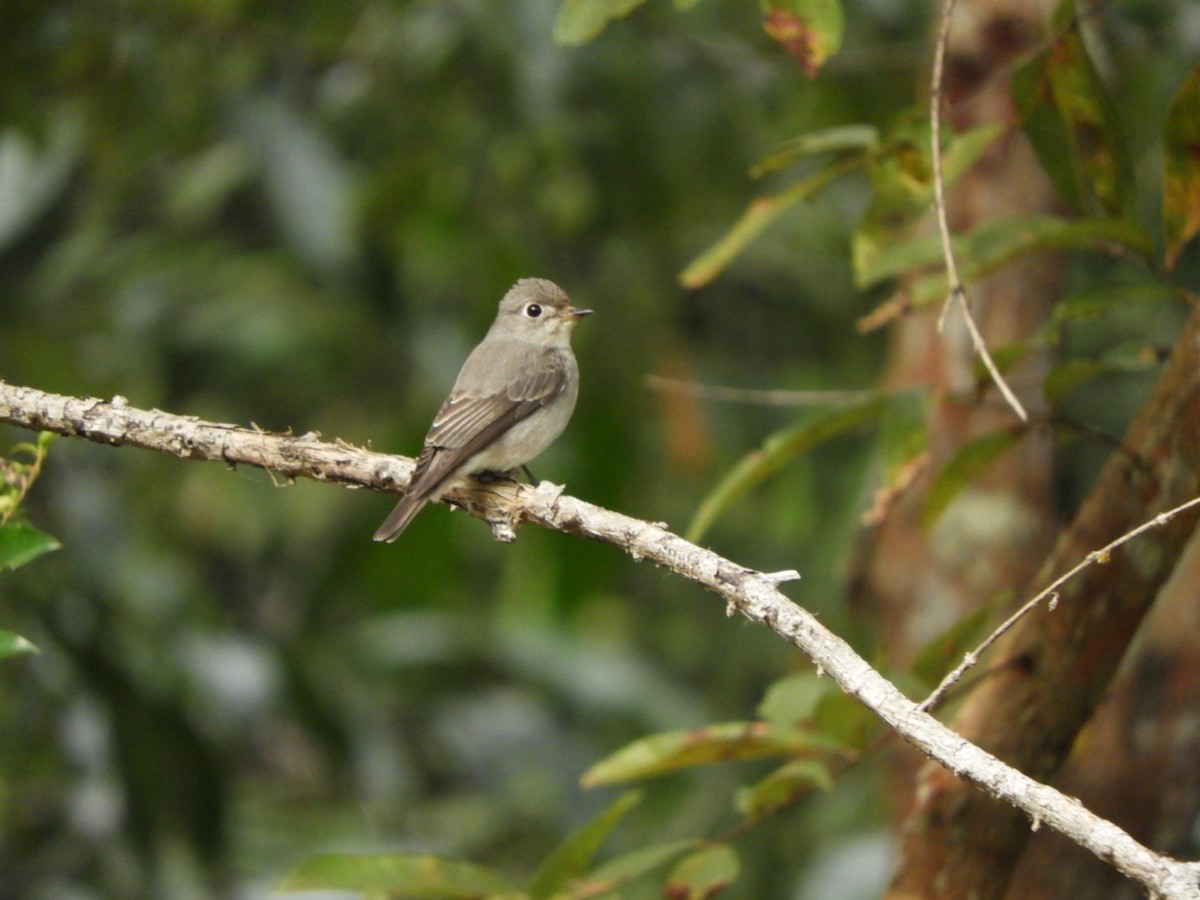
(406, 510)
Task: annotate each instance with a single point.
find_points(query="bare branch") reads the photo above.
(755, 595)
(1051, 590)
(751, 396)
(957, 290)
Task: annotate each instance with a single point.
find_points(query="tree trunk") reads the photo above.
(1138, 760)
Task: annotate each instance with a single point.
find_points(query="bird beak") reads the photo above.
(572, 313)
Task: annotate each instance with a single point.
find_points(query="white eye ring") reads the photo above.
(533, 310)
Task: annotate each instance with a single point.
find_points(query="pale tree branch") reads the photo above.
(755, 595)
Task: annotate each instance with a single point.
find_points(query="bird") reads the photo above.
(513, 397)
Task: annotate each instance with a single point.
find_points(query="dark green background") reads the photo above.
(302, 216)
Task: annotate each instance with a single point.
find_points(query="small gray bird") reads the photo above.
(513, 397)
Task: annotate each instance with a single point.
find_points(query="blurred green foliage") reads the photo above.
(302, 216)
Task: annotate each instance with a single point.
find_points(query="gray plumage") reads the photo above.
(512, 398)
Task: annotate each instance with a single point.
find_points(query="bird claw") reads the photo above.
(489, 477)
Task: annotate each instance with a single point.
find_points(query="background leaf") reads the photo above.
(793, 700)
(21, 543)
(621, 870)
(1181, 168)
(398, 874)
(810, 701)
(14, 645)
(901, 173)
(761, 214)
(1108, 300)
(810, 30)
(776, 452)
(903, 432)
(844, 139)
(996, 243)
(671, 751)
(1071, 121)
(580, 21)
(964, 467)
(788, 783)
(704, 873)
(1063, 378)
(573, 856)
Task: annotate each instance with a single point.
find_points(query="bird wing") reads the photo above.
(469, 421)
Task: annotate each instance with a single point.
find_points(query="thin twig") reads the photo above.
(1096, 556)
(981, 347)
(751, 396)
(957, 290)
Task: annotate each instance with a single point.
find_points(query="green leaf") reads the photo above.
(398, 874)
(1181, 168)
(946, 650)
(1124, 359)
(964, 149)
(703, 874)
(1106, 299)
(793, 699)
(964, 467)
(14, 645)
(840, 140)
(995, 243)
(1047, 130)
(761, 213)
(573, 856)
(902, 179)
(21, 543)
(30, 450)
(858, 147)
(844, 722)
(903, 431)
(810, 30)
(618, 872)
(579, 21)
(1071, 122)
(783, 787)
(811, 701)
(675, 750)
(779, 449)
(1064, 377)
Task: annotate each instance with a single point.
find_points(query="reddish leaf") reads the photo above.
(810, 30)
(1070, 119)
(674, 750)
(703, 874)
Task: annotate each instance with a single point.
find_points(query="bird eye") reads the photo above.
(533, 310)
